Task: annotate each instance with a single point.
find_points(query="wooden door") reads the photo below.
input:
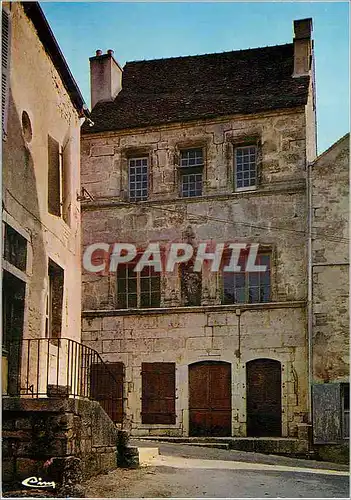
(158, 393)
(263, 397)
(210, 399)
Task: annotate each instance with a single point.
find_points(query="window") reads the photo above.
(54, 177)
(247, 287)
(15, 248)
(191, 284)
(54, 301)
(137, 289)
(158, 393)
(138, 179)
(191, 172)
(13, 307)
(27, 127)
(245, 167)
(5, 65)
(345, 406)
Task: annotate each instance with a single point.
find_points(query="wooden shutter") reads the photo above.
(158, 393)
(327, 426)
(5, 65)
(54, 184)
(66, 182)
(106, 387)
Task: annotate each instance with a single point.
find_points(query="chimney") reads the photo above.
(303, 46)
(105, 77)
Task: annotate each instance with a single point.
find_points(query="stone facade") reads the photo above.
(330, 259)
(274, 214)
(330, 305)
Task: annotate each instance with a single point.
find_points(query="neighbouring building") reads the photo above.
(211, 148)
(43, 360)
(330, 209)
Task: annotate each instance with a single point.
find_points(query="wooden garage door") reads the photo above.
(264, 412)
(210, 399)
(106, 387)
(158, 393)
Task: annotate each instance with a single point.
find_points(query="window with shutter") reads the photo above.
(54, 177)
(5, 66)
(158, 393)
(66, 179)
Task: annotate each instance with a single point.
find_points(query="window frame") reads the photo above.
(188, 170)
(345, 410)
(138, 290)
(10, 234)
(139, 158)
(263, 252)
(243, 146)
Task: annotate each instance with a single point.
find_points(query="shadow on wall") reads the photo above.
(22, 302)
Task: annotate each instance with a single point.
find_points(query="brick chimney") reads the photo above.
(303, 46)
(105, 77)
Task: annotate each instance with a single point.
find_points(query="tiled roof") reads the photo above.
(180, 89)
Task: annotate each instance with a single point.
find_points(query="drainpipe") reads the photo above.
(309, 286)
(238, 352)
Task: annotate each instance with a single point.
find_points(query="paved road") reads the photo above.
(188, 472)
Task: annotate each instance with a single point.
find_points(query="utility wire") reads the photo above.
(324, 234)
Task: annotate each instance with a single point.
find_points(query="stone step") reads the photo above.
(267, 445)
(221, 446)
(146, 455)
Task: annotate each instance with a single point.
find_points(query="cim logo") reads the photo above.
(37, 482)
(105, 257)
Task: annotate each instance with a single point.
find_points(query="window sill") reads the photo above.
(243, 189)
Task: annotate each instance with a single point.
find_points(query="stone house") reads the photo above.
(329, 315)
(209, 149)
(43, 360)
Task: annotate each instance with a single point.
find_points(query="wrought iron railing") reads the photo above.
(63, 368)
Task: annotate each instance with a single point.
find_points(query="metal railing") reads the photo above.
(63, 368)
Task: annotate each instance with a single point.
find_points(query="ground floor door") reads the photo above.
(13, 300)
(210, 405)
(263, 397)
(106, 387)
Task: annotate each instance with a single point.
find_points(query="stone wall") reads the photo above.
(36, 430)
(188, 335)
(273, 214)
(330, 254)
(37, 89)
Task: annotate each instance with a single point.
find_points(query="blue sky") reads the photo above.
(148, 30)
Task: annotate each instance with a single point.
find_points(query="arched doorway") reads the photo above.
(210, 412)
(263, 397)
